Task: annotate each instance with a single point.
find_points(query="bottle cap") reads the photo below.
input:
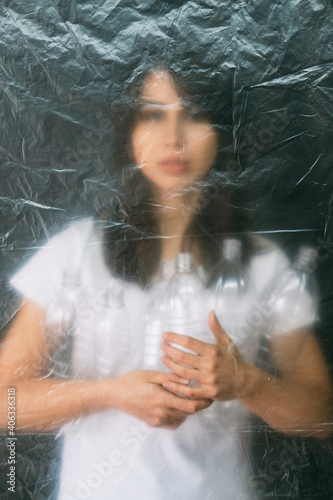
(71, 278)
(306, 257)
(231, 248)
(184, 262)
(114, 297)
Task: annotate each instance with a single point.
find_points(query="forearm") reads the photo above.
(289, 406)
(299, 401)
(47, 404)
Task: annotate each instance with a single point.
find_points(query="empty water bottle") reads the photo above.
(231, 286)
(186, 302)
(112, 338)
(155, 319)
(60, 323)
(290, 300)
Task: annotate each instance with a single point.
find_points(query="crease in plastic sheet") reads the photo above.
(63, 70)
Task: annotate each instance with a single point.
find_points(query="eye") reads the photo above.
(196, 114)
(150, 114)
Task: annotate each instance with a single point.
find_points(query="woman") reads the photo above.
(133, 435)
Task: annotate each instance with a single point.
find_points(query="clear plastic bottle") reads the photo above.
(186, 302)
(290, 300)
(60, 323)
(229, 303)
(112, 338)
(231, 285)
(155, 319)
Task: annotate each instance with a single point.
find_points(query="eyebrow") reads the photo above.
(157, 104)
(151, 103)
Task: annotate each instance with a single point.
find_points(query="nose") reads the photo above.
(174, 133)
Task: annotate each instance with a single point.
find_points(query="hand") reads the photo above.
(141, 394)
(218, 368)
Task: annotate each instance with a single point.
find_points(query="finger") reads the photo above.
(195, 345)
(185, 372)
(197, 392)
(174, 424)
(175, 421)
(187, 405)
(160, 377)
(219, 333)
(202, 403)
(180, 356)
(173, 418)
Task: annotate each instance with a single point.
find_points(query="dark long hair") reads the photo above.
(132, 243)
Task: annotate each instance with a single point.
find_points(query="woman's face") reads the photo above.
(172, 143)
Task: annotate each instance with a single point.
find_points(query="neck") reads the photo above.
(175, 211)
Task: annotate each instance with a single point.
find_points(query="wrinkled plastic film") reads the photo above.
(69, 74)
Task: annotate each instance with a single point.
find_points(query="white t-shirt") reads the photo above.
(112, 455)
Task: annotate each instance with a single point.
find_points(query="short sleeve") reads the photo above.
(293, 307)
(40, 278)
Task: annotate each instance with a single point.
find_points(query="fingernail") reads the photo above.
(184, 381)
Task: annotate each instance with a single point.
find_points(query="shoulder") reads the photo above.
(69, 240)
(67, 246)
(74, 233)
(268, 260)
(42, 274)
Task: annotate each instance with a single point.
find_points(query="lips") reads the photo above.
(174, 166)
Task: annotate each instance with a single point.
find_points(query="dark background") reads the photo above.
(61, 63)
